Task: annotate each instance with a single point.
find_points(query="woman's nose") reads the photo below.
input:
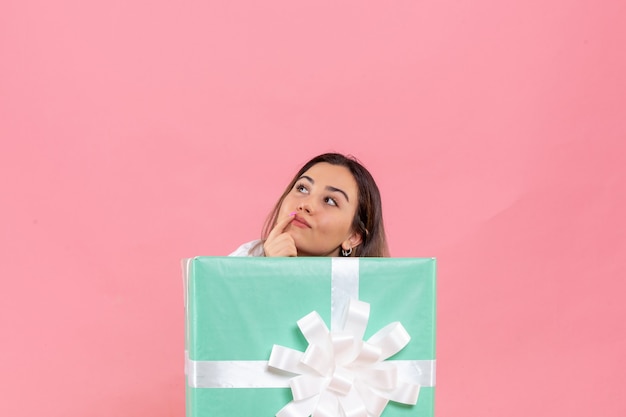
(305, 205)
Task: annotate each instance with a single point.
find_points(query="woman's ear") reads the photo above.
(352, 241)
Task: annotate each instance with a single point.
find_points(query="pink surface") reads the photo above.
(135, 133)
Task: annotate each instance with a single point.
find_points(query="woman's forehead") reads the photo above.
(336, 176)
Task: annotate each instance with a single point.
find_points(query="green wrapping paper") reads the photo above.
(238, 308)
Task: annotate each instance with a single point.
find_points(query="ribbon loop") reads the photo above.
(327, 406)
(344, 347)
(368, 354)
(285, 359)
(405, 393)
(318, 359)
(341, 381)
(356, 318)
(374, 402)
(380, 376)
(391, 339)
(305, 386)
(314, 329)
(352, 405)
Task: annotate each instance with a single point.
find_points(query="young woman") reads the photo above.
(332, 207)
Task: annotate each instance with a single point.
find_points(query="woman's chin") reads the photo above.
(308, 252)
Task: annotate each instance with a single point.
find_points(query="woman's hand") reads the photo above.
(278, 242)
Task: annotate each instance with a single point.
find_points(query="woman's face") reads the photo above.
(325, 199)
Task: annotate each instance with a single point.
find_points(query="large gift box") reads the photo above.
(298, 336)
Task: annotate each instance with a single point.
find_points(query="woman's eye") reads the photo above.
(301, 188)
(330, 201)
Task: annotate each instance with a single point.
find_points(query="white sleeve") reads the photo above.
(244, 250)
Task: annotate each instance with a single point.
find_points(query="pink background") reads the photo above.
(136, 133)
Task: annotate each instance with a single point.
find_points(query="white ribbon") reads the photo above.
(255, 374)
(338, 371)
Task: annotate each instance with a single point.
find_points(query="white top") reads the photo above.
(244, 250)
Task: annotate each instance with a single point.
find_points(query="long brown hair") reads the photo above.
(368, 219)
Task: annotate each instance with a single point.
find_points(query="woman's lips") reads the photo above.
(300, 222)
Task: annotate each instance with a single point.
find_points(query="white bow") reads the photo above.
(340, 374)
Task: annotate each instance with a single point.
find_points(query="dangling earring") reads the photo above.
(346, 253)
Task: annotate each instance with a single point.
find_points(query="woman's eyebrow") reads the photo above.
(328, 187)
(334, 189)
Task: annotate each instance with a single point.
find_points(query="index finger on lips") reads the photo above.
(280, 225)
